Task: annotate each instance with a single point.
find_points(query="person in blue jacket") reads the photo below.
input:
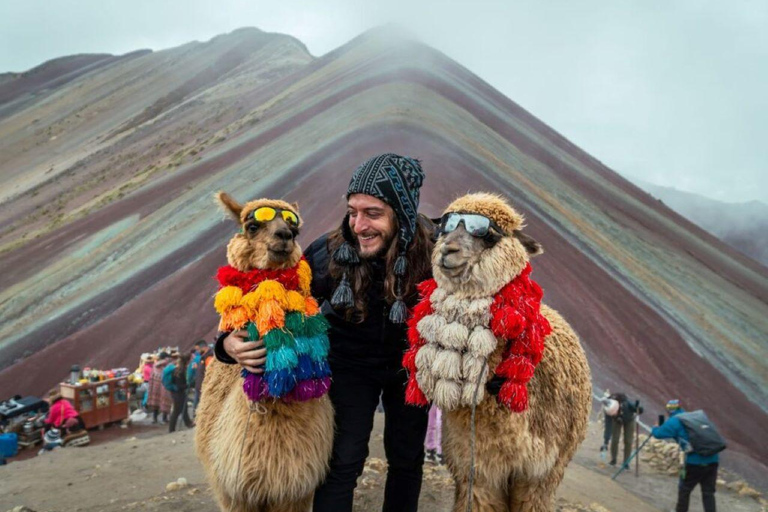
(699, 469)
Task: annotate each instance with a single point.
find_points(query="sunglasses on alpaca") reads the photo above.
(267, 213)
(476, 225)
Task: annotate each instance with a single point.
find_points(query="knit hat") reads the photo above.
(673, 405)
(396, 180)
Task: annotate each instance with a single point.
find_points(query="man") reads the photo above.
(365, 275)
(206, 356)
(194, 369)
(624, 420)
(699, 469)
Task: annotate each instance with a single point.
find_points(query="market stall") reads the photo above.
(99, 403)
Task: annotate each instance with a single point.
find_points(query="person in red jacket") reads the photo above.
(62, 415)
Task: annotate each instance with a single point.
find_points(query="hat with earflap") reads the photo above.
(396, 180)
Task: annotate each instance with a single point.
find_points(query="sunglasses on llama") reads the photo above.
(476, 225)
(267, 213)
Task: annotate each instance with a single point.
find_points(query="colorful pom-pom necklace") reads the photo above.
(276, 306)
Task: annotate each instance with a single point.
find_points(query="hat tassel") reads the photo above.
(343, 298)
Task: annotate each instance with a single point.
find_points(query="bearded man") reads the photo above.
(364, 276)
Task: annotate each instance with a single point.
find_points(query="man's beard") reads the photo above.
(377, 253)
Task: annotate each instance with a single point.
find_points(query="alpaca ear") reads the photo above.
(532, 247)
(230, 205)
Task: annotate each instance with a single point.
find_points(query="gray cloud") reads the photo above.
(672, 92)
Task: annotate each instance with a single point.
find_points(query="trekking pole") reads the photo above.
(637, 441)
(626, 463)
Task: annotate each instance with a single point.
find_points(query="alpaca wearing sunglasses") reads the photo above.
(481, 339)
(265, 448)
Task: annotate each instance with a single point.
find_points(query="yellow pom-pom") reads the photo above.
(226, 298)
(271, 316)
(305, 277)
(311, 307)
(251, 302)
(295, 301)
(271, 290)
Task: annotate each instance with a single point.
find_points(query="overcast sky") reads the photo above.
(673, 92)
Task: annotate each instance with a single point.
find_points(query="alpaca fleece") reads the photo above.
(270, 461)
(526, 436)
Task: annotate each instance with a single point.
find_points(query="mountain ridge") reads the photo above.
(644, 287)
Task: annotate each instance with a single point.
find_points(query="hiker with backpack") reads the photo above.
(624, 422)
(701, 442)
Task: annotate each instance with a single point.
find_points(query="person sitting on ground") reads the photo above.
(624, 420)
(699, 469)
(62, 415)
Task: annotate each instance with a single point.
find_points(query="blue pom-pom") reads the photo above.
(305, 369)
(280, 382)
(321, 369)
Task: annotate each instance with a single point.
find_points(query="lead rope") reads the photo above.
(472, 438)
(253, 407)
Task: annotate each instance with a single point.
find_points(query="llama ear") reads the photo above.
(532, 247)
(230, 205)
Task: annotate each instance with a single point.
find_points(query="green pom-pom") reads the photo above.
(295, 323)
(277, 338)
(316, 325)
(253, 333)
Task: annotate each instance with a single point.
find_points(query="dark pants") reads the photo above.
(629, 434)
(704, 475)
(355, 394)
(179, 408)
(607, 429)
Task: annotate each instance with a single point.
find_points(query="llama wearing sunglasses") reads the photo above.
(482, 343)
(265, 439)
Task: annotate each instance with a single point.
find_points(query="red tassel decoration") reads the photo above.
(413, 393)
(514, 396)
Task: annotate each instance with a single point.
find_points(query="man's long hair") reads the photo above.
(419, 256)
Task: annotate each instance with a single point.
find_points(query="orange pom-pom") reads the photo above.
(296, 302)
(271, 316)
(227, 297)
(305, 276)
(235, 318)
(311, 307)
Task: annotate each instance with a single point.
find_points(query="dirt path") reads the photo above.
(132, 474)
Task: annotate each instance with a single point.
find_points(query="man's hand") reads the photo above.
(251, 355)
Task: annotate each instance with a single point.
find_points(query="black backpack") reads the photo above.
(702, 434)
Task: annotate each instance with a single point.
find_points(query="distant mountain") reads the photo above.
(743, 226)
(109, 237)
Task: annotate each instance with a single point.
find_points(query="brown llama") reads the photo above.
(481, 330)
(265, 440)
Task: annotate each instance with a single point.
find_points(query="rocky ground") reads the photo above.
(154, 471)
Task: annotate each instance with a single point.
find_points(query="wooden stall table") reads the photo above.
(99, 403)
